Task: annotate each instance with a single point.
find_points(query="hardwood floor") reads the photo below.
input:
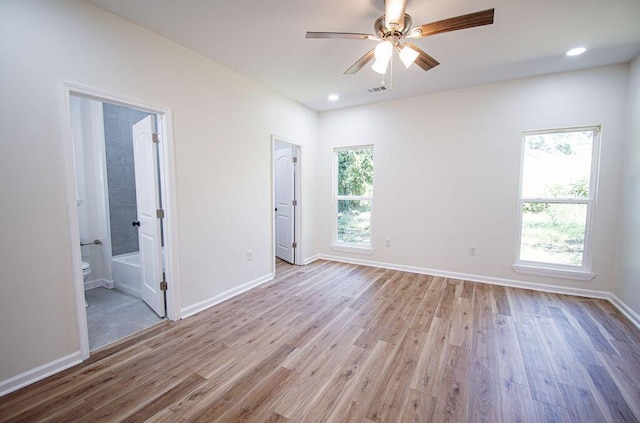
(333, 342)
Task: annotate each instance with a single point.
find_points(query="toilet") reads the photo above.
(86, 271)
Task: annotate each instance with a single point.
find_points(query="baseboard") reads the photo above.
(625, 309)
(589, 293)
(34, 375)
(127, 290)
(97, 284)
(203, 305)
(311, 259)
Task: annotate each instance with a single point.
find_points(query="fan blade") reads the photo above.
(453, 24)
(341, 35)
(394, 14)
(361, 63)
(425, 61)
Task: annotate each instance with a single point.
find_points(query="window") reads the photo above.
(557, 192)
(353, 198)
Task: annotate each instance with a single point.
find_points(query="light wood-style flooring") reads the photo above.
(334, 342)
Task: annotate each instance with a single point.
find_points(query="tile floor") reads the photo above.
(112, 315)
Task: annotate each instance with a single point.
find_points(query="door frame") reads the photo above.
(168, 189)
(297, 211)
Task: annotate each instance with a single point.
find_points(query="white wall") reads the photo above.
(447, 170)
(222, 125)
(628, 277)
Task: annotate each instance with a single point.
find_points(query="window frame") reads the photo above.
(342, 246)
(563, 271)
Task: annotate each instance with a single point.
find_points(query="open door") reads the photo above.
(145, 154)
(284, 165)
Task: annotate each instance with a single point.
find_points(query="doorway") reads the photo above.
(122, 189)
(287, 228)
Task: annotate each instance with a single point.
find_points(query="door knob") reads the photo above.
(136, 223)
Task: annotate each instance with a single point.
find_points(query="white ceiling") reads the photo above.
(265, 41)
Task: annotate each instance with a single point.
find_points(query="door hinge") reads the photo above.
(294, 159)
(154, 138)
(294, 203)
(163, 286)
(160, 214)
(294, 245)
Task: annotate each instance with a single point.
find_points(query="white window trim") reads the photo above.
(340, 246)
(352, 248)
(546, 270)
(581, 273)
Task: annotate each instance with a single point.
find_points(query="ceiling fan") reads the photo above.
(394, 27)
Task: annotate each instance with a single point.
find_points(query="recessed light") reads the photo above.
(333, 97)
(576, 51)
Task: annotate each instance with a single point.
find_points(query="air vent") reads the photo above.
(377, 89)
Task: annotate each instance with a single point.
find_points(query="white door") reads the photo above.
(284, 166)
(145, 155)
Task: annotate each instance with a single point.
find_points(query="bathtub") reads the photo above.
(127, 273)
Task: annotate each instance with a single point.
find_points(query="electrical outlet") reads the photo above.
(473, 250)
(249, 255)
(387, 243)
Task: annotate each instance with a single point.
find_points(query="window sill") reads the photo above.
(359, 249)
(577, 275)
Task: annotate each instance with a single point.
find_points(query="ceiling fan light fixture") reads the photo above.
(395, 26)
(408, 56)
(380, 66)
(383, 51)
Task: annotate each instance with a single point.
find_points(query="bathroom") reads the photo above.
(109, 224)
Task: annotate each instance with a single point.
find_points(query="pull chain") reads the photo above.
(391, 74)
